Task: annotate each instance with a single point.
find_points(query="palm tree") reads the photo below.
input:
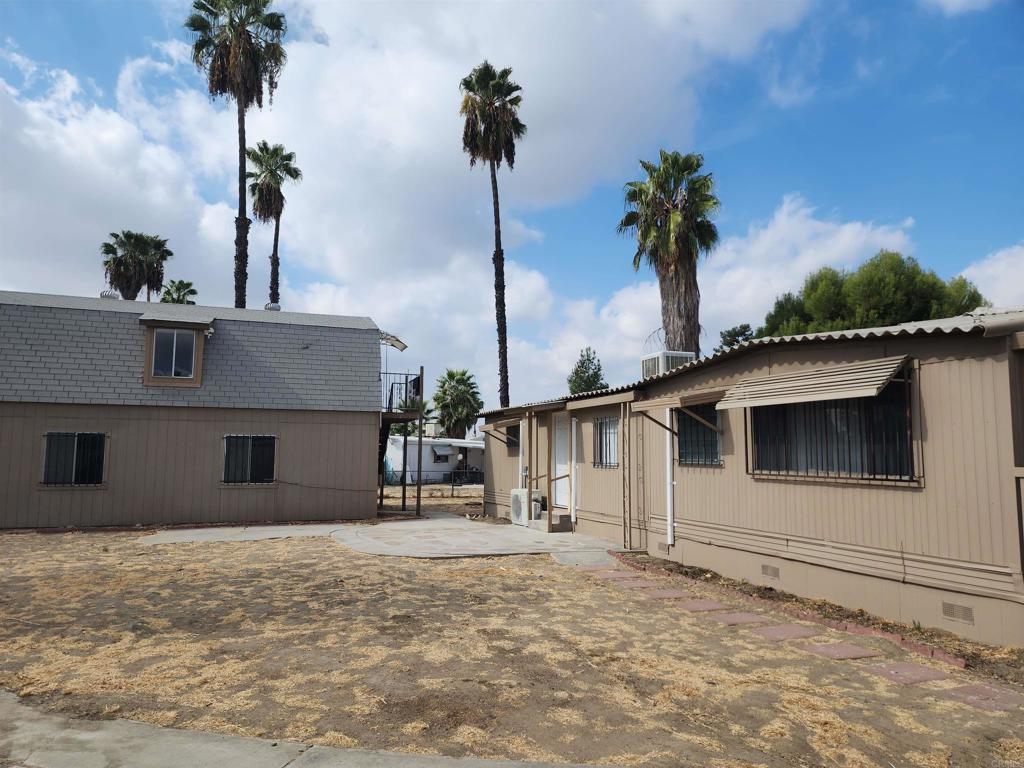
(123, 263)
(457, 400)
(417, 406)
(490, 104)
(179, 292)
(273, 165)
(237, 43)
(670, 213)
(154, 254)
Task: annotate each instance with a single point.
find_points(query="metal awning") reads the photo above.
(442, 450)
(865, 378)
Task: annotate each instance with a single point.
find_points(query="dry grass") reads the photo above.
(507, 658)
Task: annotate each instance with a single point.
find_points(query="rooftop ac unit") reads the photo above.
(660, 362)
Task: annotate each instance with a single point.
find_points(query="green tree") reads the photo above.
(133, 261)
(490, 106)
(179, 292)
(417, 406)
(272, 166)
(237, 44)
(670, 213)
(731, 337)
(457, 400)
(586, 375)
(887, 289)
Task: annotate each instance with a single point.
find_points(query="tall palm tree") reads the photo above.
(457, 400)
(272, 166)
(670, 213)
(154, 254)
(179, 292)
(490, 104)
(237, 43)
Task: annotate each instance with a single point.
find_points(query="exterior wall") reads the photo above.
(433, 471)
(957, 531)
(164, 465)
(501, 473)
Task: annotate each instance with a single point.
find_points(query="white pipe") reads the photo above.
(572, 470)
(519, 471)
(670, 511)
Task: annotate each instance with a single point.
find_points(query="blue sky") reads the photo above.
(832, 129)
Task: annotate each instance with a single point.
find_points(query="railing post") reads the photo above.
(419, 450)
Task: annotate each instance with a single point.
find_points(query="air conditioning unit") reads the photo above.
(660, 362)
(524, 506)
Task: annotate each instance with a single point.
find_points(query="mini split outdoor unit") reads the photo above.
(525, 505)
(660, 362)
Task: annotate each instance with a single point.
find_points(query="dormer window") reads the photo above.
(174, 357)
(174, 353)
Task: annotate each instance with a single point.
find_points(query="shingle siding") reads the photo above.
(85, 356)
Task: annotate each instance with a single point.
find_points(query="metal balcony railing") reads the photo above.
(400, 392)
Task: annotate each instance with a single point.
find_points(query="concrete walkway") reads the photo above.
(435, 535)
(31, 739)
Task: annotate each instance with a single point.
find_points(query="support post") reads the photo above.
(419, 451)
(670, 482)
(405, 464)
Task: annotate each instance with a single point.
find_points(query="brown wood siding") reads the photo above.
(501, 468)
(164, 465)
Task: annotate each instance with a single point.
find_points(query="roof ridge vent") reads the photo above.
(109, 294)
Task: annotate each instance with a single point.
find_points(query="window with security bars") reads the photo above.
(73, 458)
(249, 459)
(699, 445)
(861, 438)
(606, 442)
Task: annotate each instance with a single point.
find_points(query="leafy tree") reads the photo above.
(457, 400)
(237, 43)
(272, 166)
(586, 375)
(887, 289)
(179, 292)
(670, 213)
(133, 261)
(490, 106)
(416, 406)
(730, 337)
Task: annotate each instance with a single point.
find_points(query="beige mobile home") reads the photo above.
(116, 413)
(880, 468)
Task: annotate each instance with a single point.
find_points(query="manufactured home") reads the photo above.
(878, 468)
(117, 413)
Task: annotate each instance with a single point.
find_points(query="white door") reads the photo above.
(560, 490)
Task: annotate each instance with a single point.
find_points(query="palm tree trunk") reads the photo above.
(275, 264)
(680, 307)
(241, 221)
(499, 295)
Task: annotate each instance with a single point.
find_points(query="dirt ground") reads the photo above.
(514, 657)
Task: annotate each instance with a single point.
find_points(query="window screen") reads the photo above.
(606, 442)
(863, 437)
(173, 353)
(249, 458)
(698, 443)
(512, 435)
(73, 458)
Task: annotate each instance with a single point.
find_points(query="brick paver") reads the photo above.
(906, 672)
(779, 632)
(701, 605)
(991, 698)
(840, 651)
(739, 617)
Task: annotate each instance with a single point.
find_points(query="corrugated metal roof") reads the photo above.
(986, 320)
(865, 378)
(185, 313)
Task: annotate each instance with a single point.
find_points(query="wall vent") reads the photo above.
(956, 612)
(769, 571)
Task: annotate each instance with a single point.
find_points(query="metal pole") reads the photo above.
(405, 462)
(419, 450)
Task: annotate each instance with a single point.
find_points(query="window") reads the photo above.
(73, 458)
(441, 456)
(173, 353)
(698, 443)
(864, 437)
(606, 442)
(249, 459)
(512, 434)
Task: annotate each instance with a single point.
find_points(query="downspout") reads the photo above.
(670, 512)
(572, 471)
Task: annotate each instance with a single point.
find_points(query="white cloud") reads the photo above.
(1000, 276)
(958, 7)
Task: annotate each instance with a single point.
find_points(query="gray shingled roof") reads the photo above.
(59, 349)
(185, 313)
(984, 320)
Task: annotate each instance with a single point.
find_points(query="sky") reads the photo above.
(833, 130)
